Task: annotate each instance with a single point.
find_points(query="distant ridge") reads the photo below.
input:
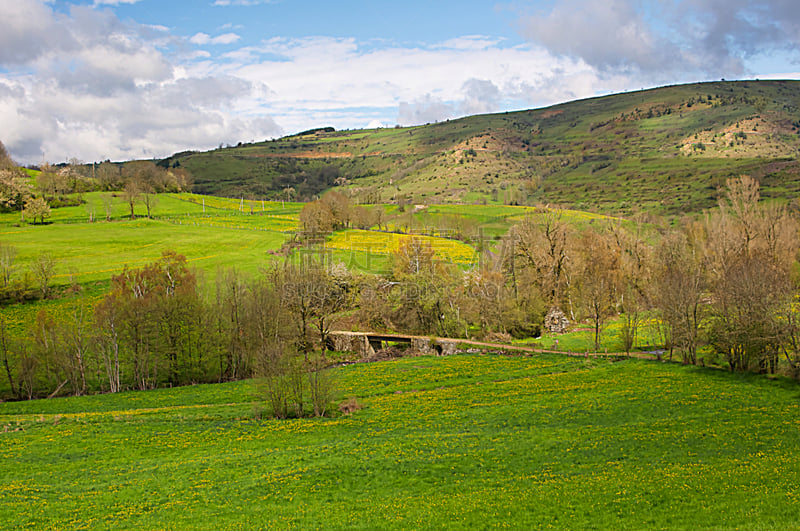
(665, 150)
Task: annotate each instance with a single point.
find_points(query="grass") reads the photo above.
(457, 442)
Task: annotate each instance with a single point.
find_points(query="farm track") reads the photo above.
(518, 348)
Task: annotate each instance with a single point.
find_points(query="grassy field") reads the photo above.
(465, 441)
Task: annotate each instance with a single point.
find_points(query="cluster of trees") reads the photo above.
(335, 211)
(156, 327)
(25, 284)
(16, 193)
(138, 181)
(725, 283)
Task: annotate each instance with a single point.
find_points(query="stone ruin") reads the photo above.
(555, 321)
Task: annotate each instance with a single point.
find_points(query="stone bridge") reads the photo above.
(366, 343)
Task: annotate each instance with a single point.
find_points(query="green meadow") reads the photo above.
(466, 441)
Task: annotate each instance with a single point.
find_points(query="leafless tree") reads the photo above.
(43, 268)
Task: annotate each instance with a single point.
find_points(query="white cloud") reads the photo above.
(316, 80)
(28, 29)
(114, 2)
(481, 96)
(225, 38)
(204, 38)
(98, 88)
(225, 3)
(666, 40)
(200, 38)
(424, 110)
(86, 84)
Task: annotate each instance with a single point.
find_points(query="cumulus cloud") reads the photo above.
(424, 110)
(342, 81)
(481, 96)
(706, 38)
(86, 84)
(28, 30)
(608, 35)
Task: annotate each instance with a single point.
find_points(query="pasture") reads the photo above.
(456, 442)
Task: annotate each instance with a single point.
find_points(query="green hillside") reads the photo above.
(665, 150)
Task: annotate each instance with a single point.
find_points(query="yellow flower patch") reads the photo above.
(385, 243)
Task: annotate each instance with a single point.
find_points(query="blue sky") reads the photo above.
(120, 79)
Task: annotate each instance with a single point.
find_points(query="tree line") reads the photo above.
(138, 182)
(724, 285)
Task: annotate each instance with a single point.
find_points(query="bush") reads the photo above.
(349, 406)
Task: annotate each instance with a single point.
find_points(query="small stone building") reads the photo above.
(555, 321)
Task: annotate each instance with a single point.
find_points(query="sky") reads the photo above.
(121, 79)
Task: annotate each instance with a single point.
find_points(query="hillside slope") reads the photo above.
(664, 150)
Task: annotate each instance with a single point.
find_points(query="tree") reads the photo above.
(72, 355)
(231, 290)
(131, 193)
(5, 160)
(109, 176)
(46, 180)
(176, 303)
(748, 301)
(599, 278)
(37, 208)
(107, 319)
(149, 198)
(679, 287)
(43, 268)
(267, 335)
(541, 244)
(339, 206)
(5, 351)
(742, 207)
(414, 256)
(427, 299)
(316, 219)
(8, 253)
(634, 278)
(14, 190)
(135, 292)
(313, 292)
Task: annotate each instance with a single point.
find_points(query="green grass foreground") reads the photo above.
(472, 441)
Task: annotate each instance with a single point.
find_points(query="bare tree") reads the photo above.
(679, 287)
(8, 253)
(149, 197)
(5, 351)
(541, 243)
(599, 272)
(748, 301)
(107, 339)
(43, 268)
(131, 193)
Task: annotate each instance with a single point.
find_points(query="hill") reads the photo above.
(665, 150)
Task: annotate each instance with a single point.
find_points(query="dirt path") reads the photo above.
(503, 346)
